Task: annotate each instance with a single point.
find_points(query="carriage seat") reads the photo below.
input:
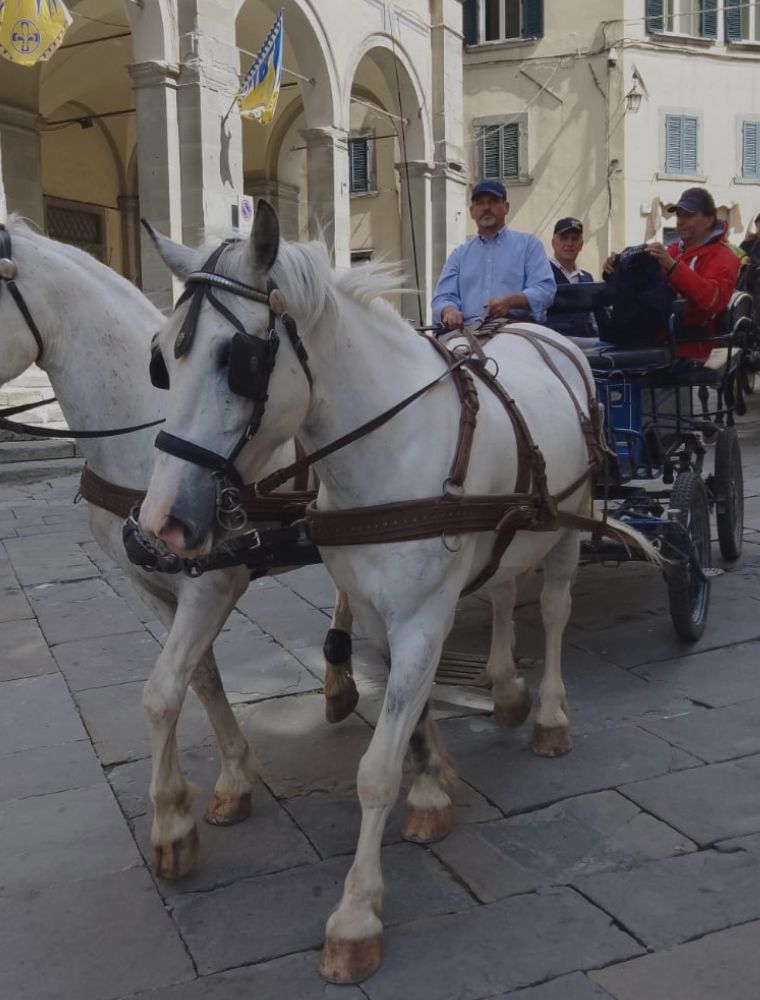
(607, 357)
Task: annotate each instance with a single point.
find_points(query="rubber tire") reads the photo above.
(689, 596)
(729, 483)
(748, 380)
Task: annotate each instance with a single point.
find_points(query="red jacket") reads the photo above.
(706, 276)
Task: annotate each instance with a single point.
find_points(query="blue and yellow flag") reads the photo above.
(31, 30)
(260, 89)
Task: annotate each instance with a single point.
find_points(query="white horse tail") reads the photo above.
(633, 539)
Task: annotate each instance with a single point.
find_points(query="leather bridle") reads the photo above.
(8, 271)
(250, 365)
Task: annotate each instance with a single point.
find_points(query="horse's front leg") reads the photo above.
(341, 696)
(551, 733)
(511, 696)
(353, 940)
(428, 806)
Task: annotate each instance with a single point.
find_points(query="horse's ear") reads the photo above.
(180, 260)
(265, 237)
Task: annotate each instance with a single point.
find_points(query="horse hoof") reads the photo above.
(341, 696)
(513, 715)
(347, 962)
(426, 826)
(226, 810)
(176, 860)
(551, 741)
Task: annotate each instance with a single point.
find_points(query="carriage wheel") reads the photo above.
(748, 382)
(688, 592)
(729, 494)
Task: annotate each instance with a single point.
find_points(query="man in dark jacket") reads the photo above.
(567, 243)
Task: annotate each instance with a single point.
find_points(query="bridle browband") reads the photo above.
(251, 362)
(8, 271)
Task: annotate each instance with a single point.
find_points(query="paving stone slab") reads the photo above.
(299, 752)
(80, 609)
(713, 734)
(722, 966)
(497, 948)
(710, 803)
(63, 837)
(114, 720)
(269, 841)
(49, 559)
(284, 615)
(715, 678)
(25, 652)
(48, 769)
(107, 659)
(552, 846)
(312, 584)
(500, 765)
(275, 915)
(37, 712)
(667, 902)
(572, 987)
(331, 821)
(14, 605)
(292, 978)
(109, 938)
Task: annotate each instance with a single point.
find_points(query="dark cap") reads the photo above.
(694, 200)
(496, 188)
(568, 224)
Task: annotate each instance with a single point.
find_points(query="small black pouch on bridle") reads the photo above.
(250, 364)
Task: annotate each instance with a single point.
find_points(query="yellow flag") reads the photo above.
(31, 30)
(261, 85)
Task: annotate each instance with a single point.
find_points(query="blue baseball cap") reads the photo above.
(496, 188)
(694, 200)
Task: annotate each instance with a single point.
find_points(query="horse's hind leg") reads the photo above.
(428, 806)
(232, 793)
(341, 696)
(511, 697)
(551, 733)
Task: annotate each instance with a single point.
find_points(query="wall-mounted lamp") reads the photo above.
(634, 95)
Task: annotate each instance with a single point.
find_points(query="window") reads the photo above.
(683, 17)
(79, 225)
(361, 163)
(501, 147)
(681, 144)
(501, 20)
(742, 21)
(751, 150)
(361, 256)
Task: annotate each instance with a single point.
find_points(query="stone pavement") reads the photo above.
(629, 869)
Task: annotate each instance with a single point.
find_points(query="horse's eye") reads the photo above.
(223, 358)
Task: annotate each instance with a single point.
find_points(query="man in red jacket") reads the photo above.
(701, 267)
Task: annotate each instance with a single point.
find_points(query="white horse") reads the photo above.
(362, 358)
(96, 329)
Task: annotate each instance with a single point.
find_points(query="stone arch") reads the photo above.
(154, 31)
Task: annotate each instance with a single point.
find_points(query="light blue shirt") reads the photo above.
(481, 269)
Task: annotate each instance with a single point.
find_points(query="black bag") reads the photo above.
(634, 307)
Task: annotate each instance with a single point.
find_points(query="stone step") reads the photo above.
(42, 449)
(39, 470)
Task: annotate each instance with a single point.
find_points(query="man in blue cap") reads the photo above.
(497, 272)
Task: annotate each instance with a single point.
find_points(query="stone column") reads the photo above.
(155, 86)
(21, 160)
(416, 236)
(129, 209)
(282, 197)
(211, 151)
(450, 175)
(328, 195)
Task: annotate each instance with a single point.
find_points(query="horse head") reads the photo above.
(238, 384)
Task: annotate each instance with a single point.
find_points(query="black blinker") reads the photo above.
(250, 364)
(159, 376)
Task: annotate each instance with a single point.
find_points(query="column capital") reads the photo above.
(20, 118)
(327, 135)
(416, 168)
(154, 74)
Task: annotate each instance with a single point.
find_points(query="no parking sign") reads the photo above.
(245, 214)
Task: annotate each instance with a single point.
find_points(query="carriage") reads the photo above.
(674, 460)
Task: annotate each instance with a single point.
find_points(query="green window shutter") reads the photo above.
(673, 143)
(470, 27)
(708, 18)
(490, 152)
(532, 18)
(510, 150)
(654, 16)
(358, 164)
(751, 150)
(690, 126)
(733, 21)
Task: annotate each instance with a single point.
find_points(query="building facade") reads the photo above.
(133, 116)
(608, 109)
